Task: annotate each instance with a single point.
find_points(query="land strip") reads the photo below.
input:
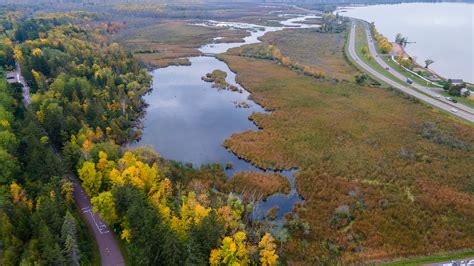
(427, 99)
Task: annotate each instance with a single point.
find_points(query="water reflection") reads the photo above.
(443, 32)
(187, 120)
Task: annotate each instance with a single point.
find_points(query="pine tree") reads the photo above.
(68, 236)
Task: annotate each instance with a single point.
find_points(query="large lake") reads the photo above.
(443, 32)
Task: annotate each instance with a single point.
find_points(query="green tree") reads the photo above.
(428, 62)
(69, 238)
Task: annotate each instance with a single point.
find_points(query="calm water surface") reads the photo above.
(443, 32)
(187, 120)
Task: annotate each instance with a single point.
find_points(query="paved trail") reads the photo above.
(109, 250)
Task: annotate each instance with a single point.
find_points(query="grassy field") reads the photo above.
(162, 43)
(260, 184)
(320, 51)
(401, 170)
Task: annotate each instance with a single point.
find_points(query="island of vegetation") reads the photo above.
(217, 77)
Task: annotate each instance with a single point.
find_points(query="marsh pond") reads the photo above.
(188, 119)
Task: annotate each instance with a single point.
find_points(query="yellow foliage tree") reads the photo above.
(191, 212)
(268, 256)
(91, 180)
(233, 251)
(18, 195)
(104, 204)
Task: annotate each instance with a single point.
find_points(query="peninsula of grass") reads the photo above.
(259, 185)
(300, 46)
(414, 160)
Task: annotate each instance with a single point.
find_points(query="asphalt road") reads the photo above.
(109, 250)
(461, 113)
(373, 52)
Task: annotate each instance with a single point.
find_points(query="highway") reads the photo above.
(461, 113)
(434, 94)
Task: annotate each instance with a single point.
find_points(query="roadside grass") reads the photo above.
(337, 133)
(418, 80)
(462, 100)
(431, 259)
(360, 43)
(398, 68)
(320, 51)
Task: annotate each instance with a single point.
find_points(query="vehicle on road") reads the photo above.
(451, 99)
(438, 96)
(454, 110)
(409, 81)
(387, 68)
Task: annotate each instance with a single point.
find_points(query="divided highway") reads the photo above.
(373, 52)
(461, 112)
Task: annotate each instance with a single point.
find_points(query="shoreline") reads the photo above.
(449, 56)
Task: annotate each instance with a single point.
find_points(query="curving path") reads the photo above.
(109, 250)
(461, 113)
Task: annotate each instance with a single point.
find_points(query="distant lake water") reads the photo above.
(443, 32)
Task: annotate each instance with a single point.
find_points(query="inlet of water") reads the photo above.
(187, 120)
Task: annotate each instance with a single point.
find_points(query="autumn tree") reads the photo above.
(267, 246)
(104, 204)
(91, 180)
(233, 251)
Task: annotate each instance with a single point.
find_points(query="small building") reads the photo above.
(11, 77)
(465, 92)
(457, 81)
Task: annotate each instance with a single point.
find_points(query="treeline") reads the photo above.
(271, 52)
(382, 42)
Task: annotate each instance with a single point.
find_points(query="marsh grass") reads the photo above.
(339, 133)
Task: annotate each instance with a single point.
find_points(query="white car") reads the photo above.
(454, 110)
(438, 96)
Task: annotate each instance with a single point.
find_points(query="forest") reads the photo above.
(86, 104)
